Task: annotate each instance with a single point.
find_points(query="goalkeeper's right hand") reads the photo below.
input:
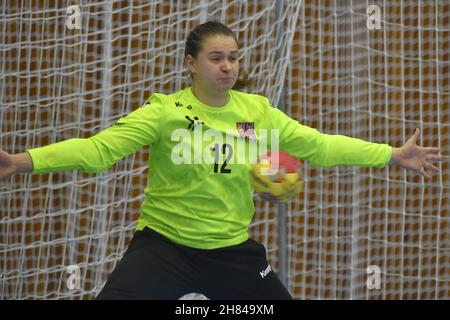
(12, 164)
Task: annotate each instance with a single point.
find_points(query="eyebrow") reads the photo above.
(220, 52)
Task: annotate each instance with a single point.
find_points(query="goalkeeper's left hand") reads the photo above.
(413, 157)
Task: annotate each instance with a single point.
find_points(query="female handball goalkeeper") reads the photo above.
(192, 233)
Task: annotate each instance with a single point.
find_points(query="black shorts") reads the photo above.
(154, 267)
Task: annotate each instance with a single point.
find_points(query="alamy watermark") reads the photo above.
(197, 146)
(374, 278)
(374, 18)
(74, 280)
(73, 20)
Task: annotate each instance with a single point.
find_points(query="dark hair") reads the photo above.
(205, 30)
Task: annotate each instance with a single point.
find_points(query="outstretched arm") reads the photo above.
(95, 154)
(415, 158)
(12, 164)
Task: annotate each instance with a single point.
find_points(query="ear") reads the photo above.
(190, 63)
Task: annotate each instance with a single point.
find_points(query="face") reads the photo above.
(216, 67)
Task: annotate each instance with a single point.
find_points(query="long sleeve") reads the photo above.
(99, 152)
(323, 150)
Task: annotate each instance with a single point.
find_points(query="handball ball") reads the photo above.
(277, 177)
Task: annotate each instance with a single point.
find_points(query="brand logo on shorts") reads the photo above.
(265, 271)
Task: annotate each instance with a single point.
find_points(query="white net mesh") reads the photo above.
(318, 58)
(378, 85)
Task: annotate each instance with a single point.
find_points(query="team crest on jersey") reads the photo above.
(246, 130)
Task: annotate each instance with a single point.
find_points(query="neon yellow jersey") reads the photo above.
(199, 192)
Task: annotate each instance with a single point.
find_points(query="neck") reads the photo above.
(213, 99)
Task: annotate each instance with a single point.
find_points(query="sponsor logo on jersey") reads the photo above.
(193, 123)
(179, 105)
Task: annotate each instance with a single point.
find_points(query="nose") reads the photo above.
(226, 66)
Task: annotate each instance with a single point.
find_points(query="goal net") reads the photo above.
(375, 70)
(72, 68)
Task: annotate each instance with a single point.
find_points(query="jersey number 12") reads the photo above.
(216, 149)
